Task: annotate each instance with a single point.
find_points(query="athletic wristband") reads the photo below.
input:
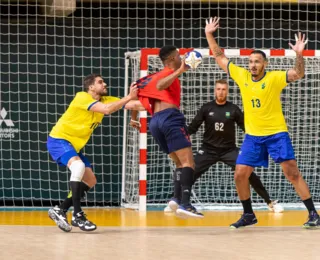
(134, 121)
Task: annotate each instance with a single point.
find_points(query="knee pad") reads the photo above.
(77, 169)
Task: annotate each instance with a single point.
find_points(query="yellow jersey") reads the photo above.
(78, 122)
(261, 100)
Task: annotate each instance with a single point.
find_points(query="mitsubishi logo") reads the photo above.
(3, 115)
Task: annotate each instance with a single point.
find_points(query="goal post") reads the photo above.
(147, 172)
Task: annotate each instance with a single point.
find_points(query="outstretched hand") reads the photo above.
(212, 25)
(133, 90)
(300, 43)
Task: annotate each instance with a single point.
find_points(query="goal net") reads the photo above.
(216, 188)
(47, 47)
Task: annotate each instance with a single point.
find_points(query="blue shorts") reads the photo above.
(255, 149)
(168, 127)
(62, 150)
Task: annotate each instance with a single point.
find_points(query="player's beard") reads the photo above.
(221, 99)
(254, 73)
(103, 93)
(257, 72)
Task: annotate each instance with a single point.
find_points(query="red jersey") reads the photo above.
(148, 91)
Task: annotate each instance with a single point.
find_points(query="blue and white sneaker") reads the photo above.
(247, 219)
(313, 220)
(188, 211)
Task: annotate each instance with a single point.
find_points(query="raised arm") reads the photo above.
(196, 122)
(297, 72)
(110, 108)
(166, 82)
(211, 26)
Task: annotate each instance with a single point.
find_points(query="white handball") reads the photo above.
(193, 59)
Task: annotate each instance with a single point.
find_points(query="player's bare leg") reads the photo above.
(292, 173)
(241, 177)
(185, 209)
(89, 178)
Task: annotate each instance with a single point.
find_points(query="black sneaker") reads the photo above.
(81, 222)
(60, 217)
(246, 219)
(313, 220)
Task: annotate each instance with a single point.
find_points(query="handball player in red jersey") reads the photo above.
(159, 93)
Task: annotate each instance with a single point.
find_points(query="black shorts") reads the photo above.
(206, 158)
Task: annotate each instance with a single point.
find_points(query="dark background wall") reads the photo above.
(43, 61)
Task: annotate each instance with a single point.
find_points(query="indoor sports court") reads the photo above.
(128, 234)
(46, 50)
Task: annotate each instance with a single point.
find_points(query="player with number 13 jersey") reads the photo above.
(266, 130)
(261, 100)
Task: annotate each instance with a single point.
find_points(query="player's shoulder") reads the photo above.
(276, 73)
(108, 99)
(234, 67)
(82, 96)
(232, 106)
(208, 104)
(166, 71)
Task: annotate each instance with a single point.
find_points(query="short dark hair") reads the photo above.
(89, 80)
(166, 51)
(222, 81)
(259, 52)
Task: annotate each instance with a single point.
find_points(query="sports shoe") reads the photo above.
(172, 205)
(82, 222)
(60, 217)
(313, 220)
(246, 219)
(188, 211)
(275, 207)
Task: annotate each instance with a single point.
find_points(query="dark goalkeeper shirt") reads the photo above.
(219, 122)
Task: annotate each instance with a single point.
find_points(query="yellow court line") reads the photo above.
(131, 218)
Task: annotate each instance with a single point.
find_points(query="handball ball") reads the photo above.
(193, 59)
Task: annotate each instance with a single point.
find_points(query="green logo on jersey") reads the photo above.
(263, 85)
(227, 114)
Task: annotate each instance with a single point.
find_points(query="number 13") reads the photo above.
(256, 102)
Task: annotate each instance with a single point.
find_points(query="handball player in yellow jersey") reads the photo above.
(70, 135)
(266, 129)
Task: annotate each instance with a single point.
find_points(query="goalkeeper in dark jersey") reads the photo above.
(219, 140)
